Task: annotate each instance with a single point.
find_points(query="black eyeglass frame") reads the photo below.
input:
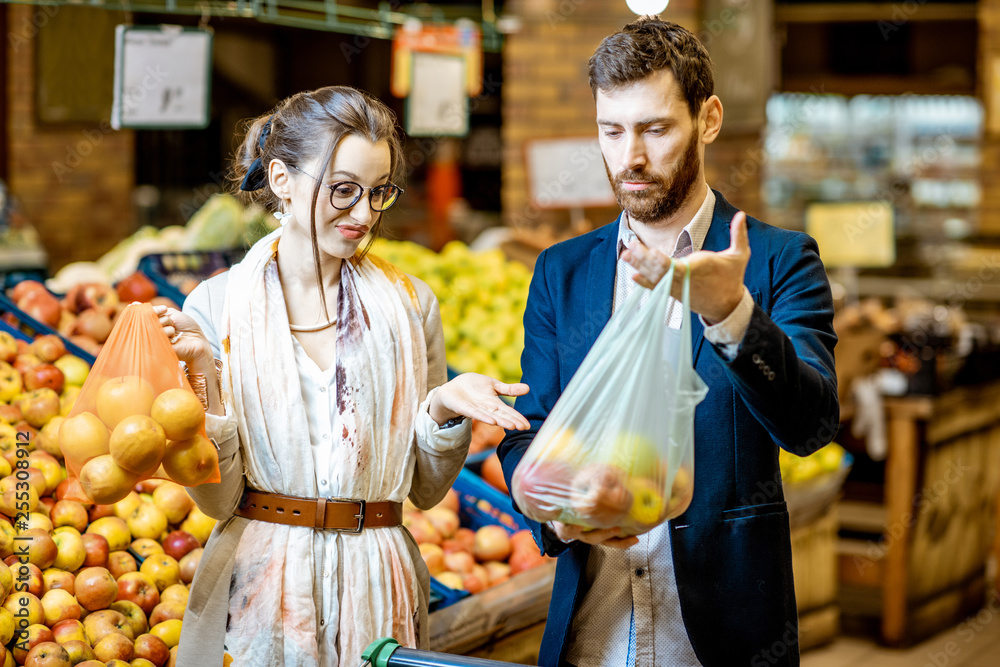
(361, 192)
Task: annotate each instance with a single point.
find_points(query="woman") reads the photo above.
(318, 407)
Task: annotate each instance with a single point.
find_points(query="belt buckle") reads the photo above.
(360, 516)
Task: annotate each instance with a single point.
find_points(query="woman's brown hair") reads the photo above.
(306, 125)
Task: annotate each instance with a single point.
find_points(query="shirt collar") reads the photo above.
(693, 234)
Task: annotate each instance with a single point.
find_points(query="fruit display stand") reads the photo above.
(30, 328)
(916, 562)
(462, 622)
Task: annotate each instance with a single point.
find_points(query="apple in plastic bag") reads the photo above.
(542, 489)
(600, 497)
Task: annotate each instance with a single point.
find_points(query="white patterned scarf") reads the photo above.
(279, 591)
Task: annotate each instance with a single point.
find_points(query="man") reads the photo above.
(713, 587)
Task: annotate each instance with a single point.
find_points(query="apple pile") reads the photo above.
(625, 485)
(464, 559)
(100, 584)
(134, 434)
(482, 297)
(86, 315)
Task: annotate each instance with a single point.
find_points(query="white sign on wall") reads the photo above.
(438, 104)
(567, 172)
(162, 77)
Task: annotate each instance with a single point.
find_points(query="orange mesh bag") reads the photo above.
(136, 417)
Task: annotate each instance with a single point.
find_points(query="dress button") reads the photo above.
(322, 388)
(327, 575)
(639, 572)
(322, 482)
(326, 436)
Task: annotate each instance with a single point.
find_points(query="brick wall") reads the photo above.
(73, 182)
(546, 95)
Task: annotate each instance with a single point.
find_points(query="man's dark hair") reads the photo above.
(648, 45)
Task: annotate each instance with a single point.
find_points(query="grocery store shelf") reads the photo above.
(823, 12)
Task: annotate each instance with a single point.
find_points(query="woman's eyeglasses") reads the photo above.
(346, 194)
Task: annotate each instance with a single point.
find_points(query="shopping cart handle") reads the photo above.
(387, 652)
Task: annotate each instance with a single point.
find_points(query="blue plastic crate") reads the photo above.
(168, 270)
(479, 504)
(15, 332)
(31, 327)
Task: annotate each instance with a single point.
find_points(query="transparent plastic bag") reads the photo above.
(136, 417)
(618, 447)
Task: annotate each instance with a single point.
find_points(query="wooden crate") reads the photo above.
(923, 567)
(503, 610)
(814, 566)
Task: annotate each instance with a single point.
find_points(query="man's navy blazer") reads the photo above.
(731, 548)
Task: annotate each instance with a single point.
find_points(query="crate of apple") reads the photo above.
(85, 315)
(472, 540)
(105, 583)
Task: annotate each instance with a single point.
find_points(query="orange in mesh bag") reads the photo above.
(136, 417)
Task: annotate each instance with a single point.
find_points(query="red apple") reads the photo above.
(10, 413)
(133, 614)
(166, 611)
(96, 512)
(24, 362)
(53, 579)
(136, 287)
(464, 540)
(44, 375)
(42, 550)
(189, 565)
(23, 288)
(39, 406)
(59, 605)
(48, 654)
(138, 588)
(114, 647)
(69, 630)
(26, 574)
(42, 306)
(461, 562)
(94, 324)
(48, 347)
(179, 544)
(69, 513)
(120, 562)
(78, 649)
(97, 550)
(152, 648)
(106, 622)
(28, 639)
(95, 588)
(492, 543)
(537, 486)
(97, 296)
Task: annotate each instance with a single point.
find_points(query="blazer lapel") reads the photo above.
(601, 283)
(716, 240)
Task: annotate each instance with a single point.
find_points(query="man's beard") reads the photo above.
(664, 195)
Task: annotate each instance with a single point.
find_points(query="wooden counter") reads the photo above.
(924, 568)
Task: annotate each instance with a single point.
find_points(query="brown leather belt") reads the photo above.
(349, 516)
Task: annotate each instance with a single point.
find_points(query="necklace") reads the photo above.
(318, 327)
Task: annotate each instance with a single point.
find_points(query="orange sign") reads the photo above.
(459, 39)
